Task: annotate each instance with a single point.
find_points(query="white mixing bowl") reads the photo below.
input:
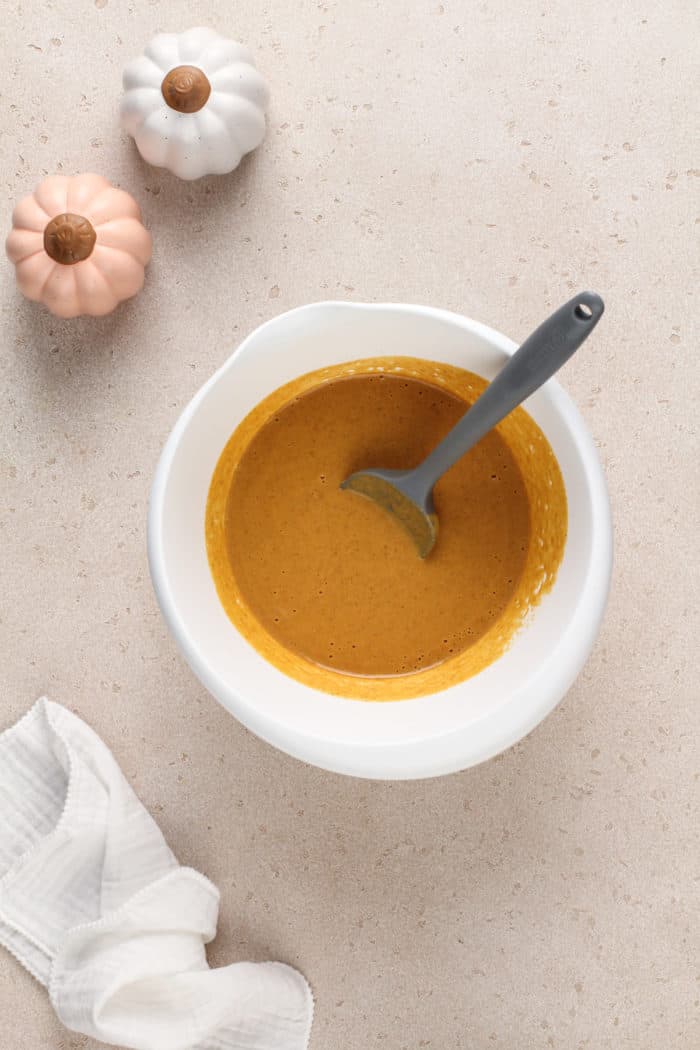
(432, 735)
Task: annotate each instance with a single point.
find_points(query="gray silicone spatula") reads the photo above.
(408, 494)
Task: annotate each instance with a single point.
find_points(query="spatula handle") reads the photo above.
(533, 363)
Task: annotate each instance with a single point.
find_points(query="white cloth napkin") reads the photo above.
(97, 908)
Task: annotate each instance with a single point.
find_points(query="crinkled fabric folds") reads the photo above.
(95, 905)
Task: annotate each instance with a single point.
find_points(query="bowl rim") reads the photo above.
(527, 704)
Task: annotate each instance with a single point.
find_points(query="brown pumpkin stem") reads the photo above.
(186, 89)
(69, 238)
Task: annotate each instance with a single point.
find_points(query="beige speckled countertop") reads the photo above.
(486, 157)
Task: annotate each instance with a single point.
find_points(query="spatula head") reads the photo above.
(385, 488)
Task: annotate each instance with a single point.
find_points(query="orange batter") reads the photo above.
(326, 585)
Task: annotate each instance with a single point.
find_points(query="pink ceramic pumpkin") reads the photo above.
(78, 245)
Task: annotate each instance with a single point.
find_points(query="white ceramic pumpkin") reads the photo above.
(194, 103)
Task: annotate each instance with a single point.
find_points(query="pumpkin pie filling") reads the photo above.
(326, 586)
